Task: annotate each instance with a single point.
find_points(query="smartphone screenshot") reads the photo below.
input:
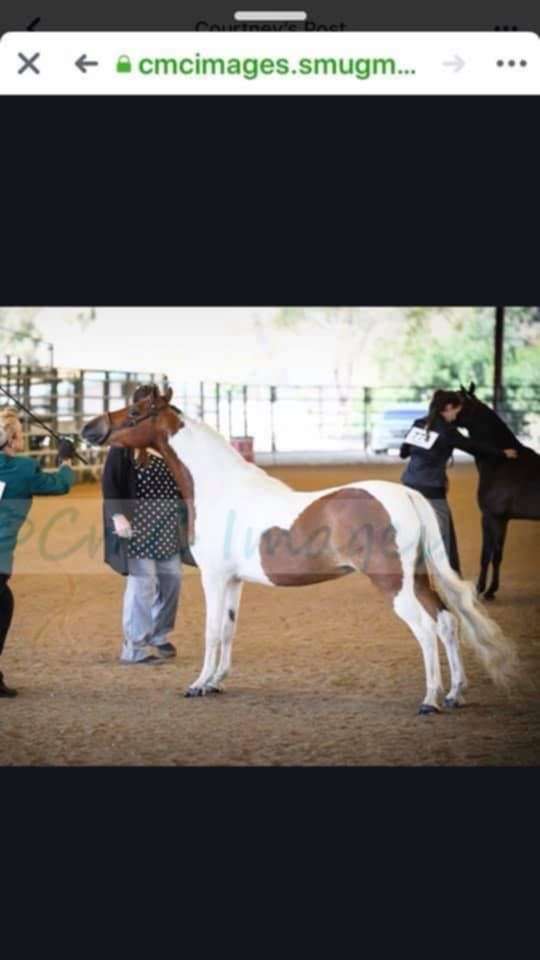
(269, 391)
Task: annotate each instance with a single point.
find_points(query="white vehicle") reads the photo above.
(393, 424)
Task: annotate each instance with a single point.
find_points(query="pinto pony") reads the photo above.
(507, 490)
(248, 526)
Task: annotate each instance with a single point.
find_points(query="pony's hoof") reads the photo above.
(213, 690)
(426, 708)
(489, 596)
(453, 703)
(194, 692)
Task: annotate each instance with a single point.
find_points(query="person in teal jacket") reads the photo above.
(21, 478)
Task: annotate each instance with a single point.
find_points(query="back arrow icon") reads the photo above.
(457, 63)
(82, 63)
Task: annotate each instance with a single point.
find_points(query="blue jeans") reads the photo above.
(150, 604)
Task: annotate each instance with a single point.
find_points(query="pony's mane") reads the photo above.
(498, 423)
(490, 423)
(221, 448)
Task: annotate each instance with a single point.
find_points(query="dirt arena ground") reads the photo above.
(322, 675)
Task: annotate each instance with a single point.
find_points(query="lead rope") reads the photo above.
(41, 423)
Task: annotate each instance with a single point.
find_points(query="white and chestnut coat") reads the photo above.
(250, 526)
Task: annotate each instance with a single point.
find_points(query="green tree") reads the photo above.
(443, 347)
(19, 335)
(349, 327)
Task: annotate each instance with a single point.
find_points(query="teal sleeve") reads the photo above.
(51, 484)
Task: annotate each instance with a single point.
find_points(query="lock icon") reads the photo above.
(123, 64)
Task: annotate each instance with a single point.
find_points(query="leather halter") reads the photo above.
(134, 421)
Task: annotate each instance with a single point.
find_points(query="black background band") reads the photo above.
(270, 200)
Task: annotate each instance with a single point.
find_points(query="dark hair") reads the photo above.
(440, 399)
(143, 391)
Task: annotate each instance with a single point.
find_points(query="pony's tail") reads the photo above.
(496, 652)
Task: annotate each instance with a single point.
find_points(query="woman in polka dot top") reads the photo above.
(145, 539)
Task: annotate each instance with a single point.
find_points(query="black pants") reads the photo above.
(448, 533)
(6, 608)
(437, 499)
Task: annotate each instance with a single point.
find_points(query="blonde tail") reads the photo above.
(495, 651)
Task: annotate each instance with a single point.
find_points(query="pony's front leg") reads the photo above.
(215, 592)
(228, 630)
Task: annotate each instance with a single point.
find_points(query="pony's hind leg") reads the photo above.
(485, 558)
(422, 624)
(499, 526)
(448, 632)
(228, 630)
(446, 628)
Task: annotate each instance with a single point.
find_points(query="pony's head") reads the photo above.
(481, 421)
(469, 401)
(473, 411)
(148, 422)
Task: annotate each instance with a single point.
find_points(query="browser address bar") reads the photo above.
(339, 63)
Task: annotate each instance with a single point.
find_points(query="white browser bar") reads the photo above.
(344, 63)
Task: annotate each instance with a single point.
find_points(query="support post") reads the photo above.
(273, 398)
(201, 400)
(245, 408)
(366, 406)
(498, 389)
(106, 392)
(78, 401)
(229, 410)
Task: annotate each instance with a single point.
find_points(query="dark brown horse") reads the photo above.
(507, 489)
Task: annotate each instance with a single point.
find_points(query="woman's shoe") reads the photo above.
(165, 650)
(6, 691)
(149, 661)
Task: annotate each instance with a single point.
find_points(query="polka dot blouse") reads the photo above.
(156, 528)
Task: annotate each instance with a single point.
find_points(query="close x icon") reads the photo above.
(28, 62)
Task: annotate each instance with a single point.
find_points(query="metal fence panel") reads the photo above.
(281, 419)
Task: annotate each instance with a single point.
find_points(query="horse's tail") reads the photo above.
(497, 652)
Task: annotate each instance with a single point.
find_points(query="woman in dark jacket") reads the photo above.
(430, 448)
(21, 478)
(145, 540)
